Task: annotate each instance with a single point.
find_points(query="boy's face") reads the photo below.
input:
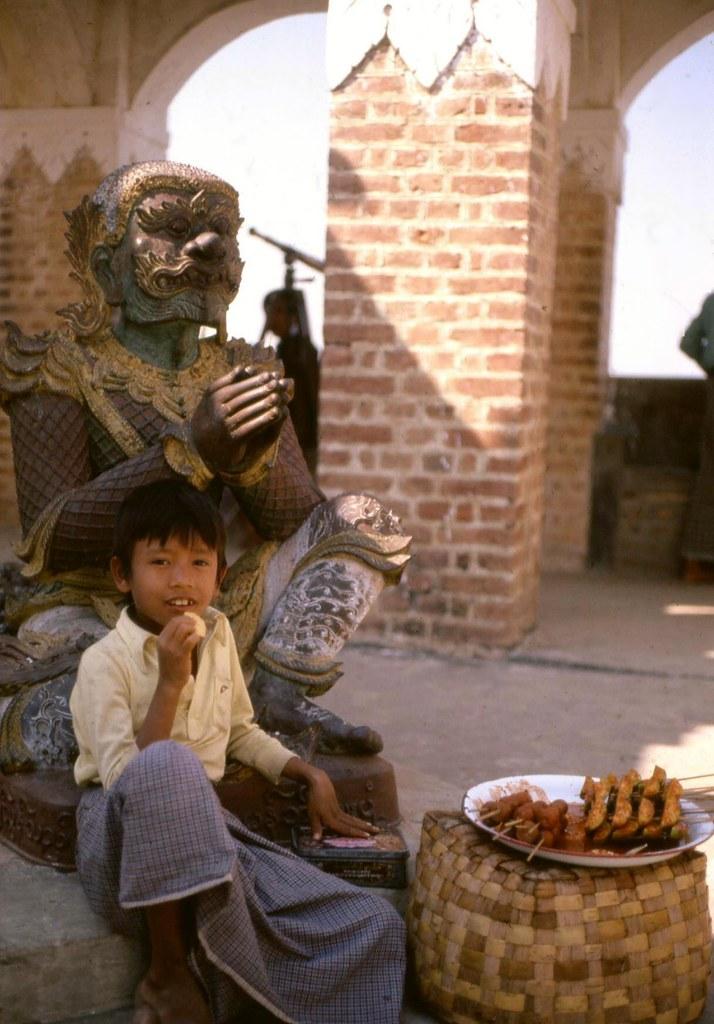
(169, 579)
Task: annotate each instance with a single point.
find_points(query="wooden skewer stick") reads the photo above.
(636, 849)
(508, 824)
(534, 851)
(491, 814)
(706, 775)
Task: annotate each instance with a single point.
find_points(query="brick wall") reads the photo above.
(438, 292)
(651, 508)
(645, 463)
(34, 274)
(577, 381)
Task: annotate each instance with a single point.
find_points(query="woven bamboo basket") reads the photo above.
(495, 938)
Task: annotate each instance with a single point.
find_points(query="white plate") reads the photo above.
(567, 787)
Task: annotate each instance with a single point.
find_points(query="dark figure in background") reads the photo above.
(698, 542)
(286, 317)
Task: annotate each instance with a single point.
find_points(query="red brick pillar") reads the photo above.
(593, 148)
(437, 324)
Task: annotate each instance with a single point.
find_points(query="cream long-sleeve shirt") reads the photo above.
(116, 680)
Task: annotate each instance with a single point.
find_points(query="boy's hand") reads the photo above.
(175, 644)
(323, 809)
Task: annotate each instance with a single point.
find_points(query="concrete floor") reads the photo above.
(618, 674)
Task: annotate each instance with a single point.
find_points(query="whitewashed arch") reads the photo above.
(672, 48)
(146, 117)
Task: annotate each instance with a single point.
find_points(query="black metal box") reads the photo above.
(380, 861)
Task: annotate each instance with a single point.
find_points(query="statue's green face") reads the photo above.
(179, 258)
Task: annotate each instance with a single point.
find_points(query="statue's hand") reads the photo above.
(234, 408)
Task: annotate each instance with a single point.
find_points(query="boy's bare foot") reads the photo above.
(177, 999)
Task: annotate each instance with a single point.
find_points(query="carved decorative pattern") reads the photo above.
(56, 363)
(84, 234)
(37, 812)
(57, 135)
(200, 204)
(284, 807)
(318, 612)
(172, 393)
(36, 831)
(47, 724)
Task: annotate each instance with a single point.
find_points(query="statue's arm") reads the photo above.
(67, 514)
(282, 496)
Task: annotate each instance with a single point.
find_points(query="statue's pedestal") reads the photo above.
(37, 810)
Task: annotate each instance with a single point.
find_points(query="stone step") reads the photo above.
(57, 959)
(411, 1014)
(59, 962)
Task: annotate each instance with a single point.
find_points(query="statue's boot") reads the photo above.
(279, 708)
(320, 608)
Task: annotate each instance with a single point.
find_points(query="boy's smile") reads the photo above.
(169, 579)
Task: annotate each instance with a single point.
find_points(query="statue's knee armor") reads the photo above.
(354, 546)
(347, 512)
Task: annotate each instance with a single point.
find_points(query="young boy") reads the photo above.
(157, 709)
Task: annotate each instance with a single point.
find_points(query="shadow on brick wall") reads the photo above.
(422, 404)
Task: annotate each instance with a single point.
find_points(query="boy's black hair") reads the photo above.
(163, 509)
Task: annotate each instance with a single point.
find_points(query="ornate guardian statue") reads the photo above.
(141, 383)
